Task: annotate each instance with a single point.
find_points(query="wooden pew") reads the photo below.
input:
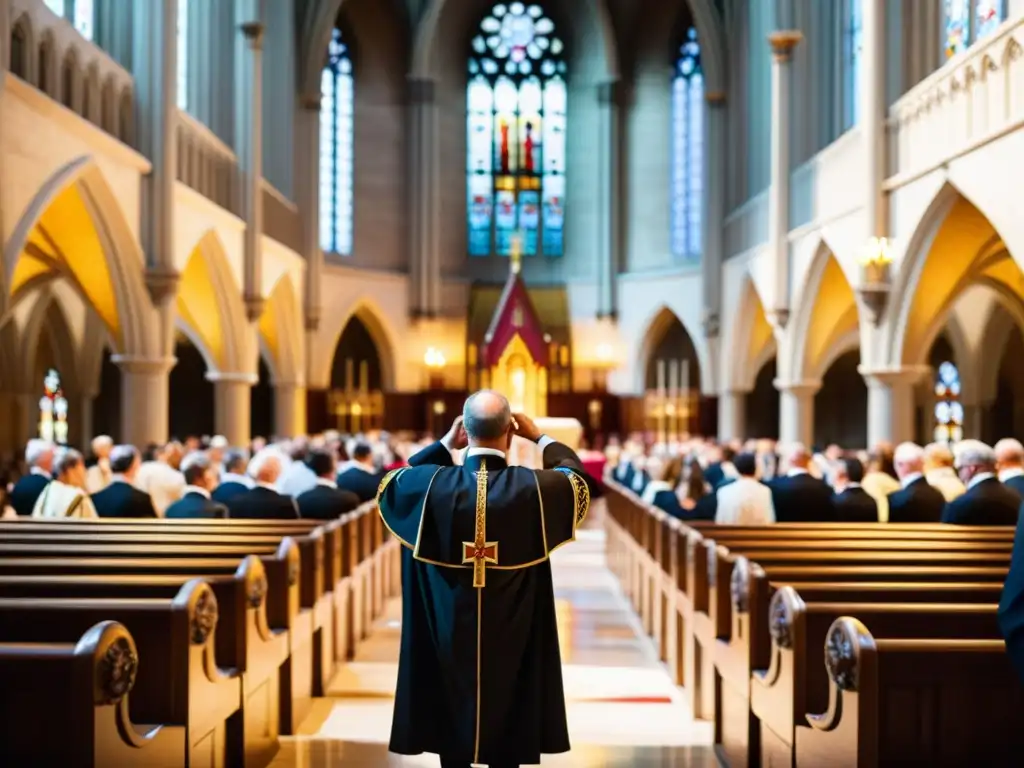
(793, 682)
(178, 681)
(91, 680)
(937, 702)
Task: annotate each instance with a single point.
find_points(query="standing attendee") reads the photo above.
(986, 501)
(233, 480)
(195, 502)
(65, 496)
(747, 501)
(852, 503)
(459, 693)
(360, 476)
(100, 474)
(121, 498)
(939, 472)
(798, 497)
(1010, 463)
(325, 501)
(916, 501)
(39, 458)
(297, 477)
(160, 479)
(262, 501)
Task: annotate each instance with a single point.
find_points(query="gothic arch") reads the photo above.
(751, 340)
(74, 228)
(383, 338)
(655, 327)
(49, 317)
(280, 334)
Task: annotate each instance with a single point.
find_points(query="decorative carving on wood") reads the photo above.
(739, 585)
(117, 670)
(780, 621)
(841, 657)
(204, 616)
(257, 590)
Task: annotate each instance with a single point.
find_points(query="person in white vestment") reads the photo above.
(99, 475)
(160, 478)
(745, 501)
(65, 496)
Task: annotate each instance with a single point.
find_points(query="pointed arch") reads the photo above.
(751, 339)
(48, 317)
(367, 312)
(827, 313)
(659, 322)
(74, 229)
(280, 333)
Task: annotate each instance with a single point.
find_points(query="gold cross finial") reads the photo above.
(516, 253)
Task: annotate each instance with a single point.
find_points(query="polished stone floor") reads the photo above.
(623, 709)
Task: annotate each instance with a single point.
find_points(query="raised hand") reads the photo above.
(525, 428)
(456, 438)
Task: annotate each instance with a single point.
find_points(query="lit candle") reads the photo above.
(364, 376)
(661, 378)
(349, 379)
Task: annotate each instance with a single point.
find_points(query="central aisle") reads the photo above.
(623, 709)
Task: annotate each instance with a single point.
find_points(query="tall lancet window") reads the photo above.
(81, 14)
(182, 54)
(852, 47)
(949, 411)
(516, 134)
(687, 149)
(967, 21)
(336, 107)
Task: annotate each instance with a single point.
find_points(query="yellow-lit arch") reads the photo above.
(280, 332)
(201, 305)
(833, 317)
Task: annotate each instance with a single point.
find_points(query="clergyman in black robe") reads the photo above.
(480, 676)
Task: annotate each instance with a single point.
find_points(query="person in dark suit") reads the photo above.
(1010, 464)
(263, 502)
(476, 583)
(234, 480)
(852, 503)
(360, 476)
(39, 457)
(799, 497)
(917, 501)
(986, 501)
(721, 470)
(326, 501)
(121, 498)
(1011, 603)
(195, 501)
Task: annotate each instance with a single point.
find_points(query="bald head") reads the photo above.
(486, 417)
(1009, 454)
(798, 456)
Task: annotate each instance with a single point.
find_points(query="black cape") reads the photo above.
(480, 674)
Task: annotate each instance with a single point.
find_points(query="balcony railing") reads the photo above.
(207, 164)
(975, 98)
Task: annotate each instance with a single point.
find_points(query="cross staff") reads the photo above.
(479, 552)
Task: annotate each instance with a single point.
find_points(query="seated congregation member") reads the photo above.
(233, 481)
(986, 501)
(799, 497)
(325, 501)
(880, 479)
(661, 490)
(917, 501)
(939, 472)
(195, 502)
(852, 503)
(641, 477)
(721, 469)
(360, 476)
(121, 498)
(263, 502)
(159, 476)
(25, 493)
(297, 477)
(65, 496)
(747, 501)
(696, 499)
(99, 474)
(216, 452)
(1010, 463)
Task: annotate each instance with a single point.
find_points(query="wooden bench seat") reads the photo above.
(178, 681)
(895, 702)
(794, 682)
(67, 704)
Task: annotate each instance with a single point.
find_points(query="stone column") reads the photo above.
(155, 67)
(144, 398)
(796, 415)
(732, 415)
(249, 127)
(714, 206)
(891, 405)
(28, 421)
(782, 44)
(5, 35)
(232, 394)
(424, 266)
(872, 115)
(974, 419)
(289, 409)
(83, 415)
(609, 97)
(307, 165)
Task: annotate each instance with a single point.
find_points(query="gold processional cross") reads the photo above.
(479, 552)
(515, 253)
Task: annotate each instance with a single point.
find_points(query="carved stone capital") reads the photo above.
(162, 284)
(779, 317)
(715, 98)
(711, 324)
(312, 323)
(310, 101)
(254, 307)
(253, 31)
(782, 42)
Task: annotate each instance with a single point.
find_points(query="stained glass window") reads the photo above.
(516, 122)
(687, 149)
(83, 18)
(182, 54)
(967, 21)
(852, 46)
(53, 410)
(336, 107)
(57, 6)
(949, 411)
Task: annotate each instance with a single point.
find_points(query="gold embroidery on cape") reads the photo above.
(479, 552)
(387, 479)
(580, 494)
